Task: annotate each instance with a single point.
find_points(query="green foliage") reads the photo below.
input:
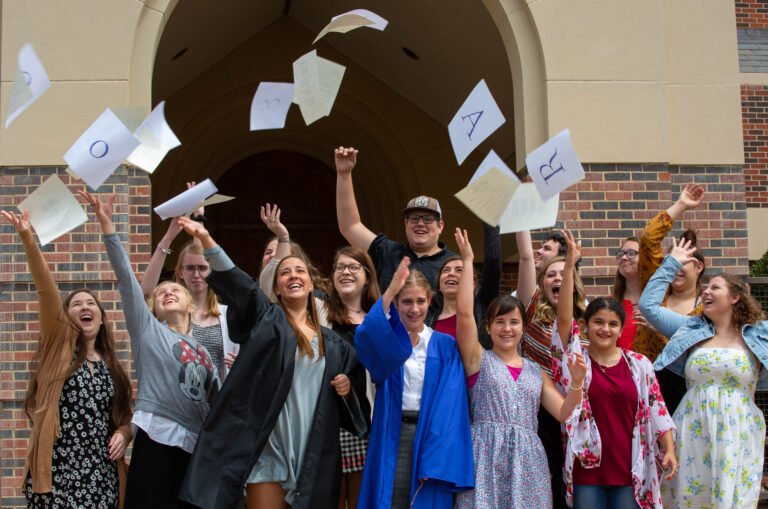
(760, 267)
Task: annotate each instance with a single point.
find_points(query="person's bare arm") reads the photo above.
(690, 198)
(155, 267)
(526, 269)
(347, 214)
(565, 300)
(466, 327)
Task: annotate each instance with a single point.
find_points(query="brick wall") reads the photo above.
(77, 259)
(754, 115)
(613, 202)
(752, 14)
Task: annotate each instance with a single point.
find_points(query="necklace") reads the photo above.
(609, 364)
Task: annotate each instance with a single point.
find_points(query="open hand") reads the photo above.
(196, 230)
(346, 159)
(574, 248)
(102, 208)
(19, 221)
(270, 216)
(682, 251)
(465, 248)
(691, 196)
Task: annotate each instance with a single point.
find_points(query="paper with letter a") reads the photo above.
(53, 211)
(351, 20)
(477, 119)
(187, 201)
(101, 149)
(157, 139)
(527, 211)
(488, 196)
(270, 105)
(317, 82)
(554, 166)
(30, 83)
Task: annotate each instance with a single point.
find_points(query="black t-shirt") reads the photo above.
(386, 255)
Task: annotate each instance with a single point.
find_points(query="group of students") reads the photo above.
(256, 391)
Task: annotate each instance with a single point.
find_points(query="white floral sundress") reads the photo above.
(721, 433)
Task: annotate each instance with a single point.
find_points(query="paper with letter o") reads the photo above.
(30, 83)
(187, 201)
(53, 211)
(317, 82)
(527, 211)
(101, 149)
(270, 105)
(477, 119)
(554, 166)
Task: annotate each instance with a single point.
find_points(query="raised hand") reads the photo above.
(574, 248)
(682, 251)
(691, 196)
(102, 208)
(346, 159)
(270, 216)
(465, 248)
(578, 369)
(19, 221)
(397, 283)
(197, 230)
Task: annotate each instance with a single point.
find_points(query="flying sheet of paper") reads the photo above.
(270, 105)
(186, 201)
(213, 200)
(477, 119)
(53, 211)
(30, 83)
(527, 211)
(488, 196)
(344, 23)
(492, 160)
(554, 166)
(379, 23)
(101, 149)
(157, 139)
(317, 83)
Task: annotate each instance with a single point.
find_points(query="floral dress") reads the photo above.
(584, 440)
(721, 433)
(83, 474)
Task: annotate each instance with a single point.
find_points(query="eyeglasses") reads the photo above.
(631, 254)
(354, 268)
(427, 218)
(190, 269)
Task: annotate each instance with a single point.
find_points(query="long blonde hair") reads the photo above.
(304, 343)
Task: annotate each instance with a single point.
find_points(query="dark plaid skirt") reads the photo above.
(353, 451)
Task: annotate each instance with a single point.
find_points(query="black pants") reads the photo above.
(551, 438)
(156, 474)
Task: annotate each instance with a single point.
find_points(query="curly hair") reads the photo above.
(746, 310)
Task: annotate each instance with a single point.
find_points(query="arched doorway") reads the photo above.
(305, 196)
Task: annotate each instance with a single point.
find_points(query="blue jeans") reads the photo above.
(587, 496)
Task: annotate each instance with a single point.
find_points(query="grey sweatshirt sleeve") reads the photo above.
(138, 319)
(218, 259)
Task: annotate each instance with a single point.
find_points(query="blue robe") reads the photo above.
(442, 446)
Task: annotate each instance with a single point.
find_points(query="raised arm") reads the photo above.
(50, 305)
(347, 214)
(553, 402)
(466, 327)
(651, 252)
(398, 280)
(526, 268)
(565, 299)
(246, 303)
(665, 320)
(270, 216)
(490, 278)
(155, 267)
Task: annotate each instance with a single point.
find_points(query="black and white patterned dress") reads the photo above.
(83, 475)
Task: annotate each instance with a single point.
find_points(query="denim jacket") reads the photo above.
(687, 331)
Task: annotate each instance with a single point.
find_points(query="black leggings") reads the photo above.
(156, 474)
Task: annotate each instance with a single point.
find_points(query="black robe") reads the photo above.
(246, 410)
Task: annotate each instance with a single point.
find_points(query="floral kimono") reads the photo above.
(651, 421)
